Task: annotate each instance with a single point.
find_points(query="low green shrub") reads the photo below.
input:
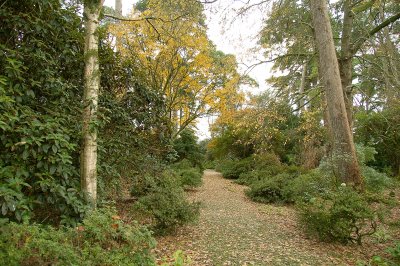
(392, 260)
(182, 164)
(270, 190)
(375, 181)
(165, 203)
(208, 164)
(232, 169)
(307, 186)
(251, 177)
(342, 215)
(267, 161)
(189, 175)
(190, 178)
(102, 239)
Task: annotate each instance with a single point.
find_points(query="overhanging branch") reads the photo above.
(357, 45)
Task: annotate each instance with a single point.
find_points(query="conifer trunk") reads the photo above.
(346, 59)
(344, 154)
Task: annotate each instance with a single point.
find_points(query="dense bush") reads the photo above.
(102, 239)
(187, 148)
(380, 130)
(164, 200)
(307, 186)
(190, 176)
(269, 190)
(375, 181)
(343, 215)
(40, 92)
(232, 169)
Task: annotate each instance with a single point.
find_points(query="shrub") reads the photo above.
(343, 215)
(190, 177)
(374, 180)
(249, 178)
(102, 239)
(393, 260)
(210, 164)
(270, 190)
(232, 169)
(307, 186)
(166, 204)
(267, 161)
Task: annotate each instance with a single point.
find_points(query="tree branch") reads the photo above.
(357, 45)
(144, 18)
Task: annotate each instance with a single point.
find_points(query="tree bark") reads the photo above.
(302, 106)
(346, 59)
(390, 65)
(344, 154)
(90, 100)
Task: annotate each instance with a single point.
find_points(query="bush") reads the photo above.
(165, 202)
(267, 161)
(210, 164)
(374, 180)
(270, 190)
(251, 177)
(190, 177)
(393, 260)
(102, 239)
(271, 184)
(307, 186)
(342, 215)
(232, 169)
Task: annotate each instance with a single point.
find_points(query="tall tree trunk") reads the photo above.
(90, 100)
(302, 101)
(346, 59)
(344, 153)
(390, 65)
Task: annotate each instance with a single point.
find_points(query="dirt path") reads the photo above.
(233, 230)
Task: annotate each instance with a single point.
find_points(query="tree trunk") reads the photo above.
(302, 95)
(344, 154)
(346, 60)
(390, 66)
(90, 100)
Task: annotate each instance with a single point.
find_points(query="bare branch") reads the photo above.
(144, 18)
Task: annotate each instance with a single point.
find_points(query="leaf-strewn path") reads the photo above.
(233, 230)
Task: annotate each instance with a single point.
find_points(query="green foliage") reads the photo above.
(190, 178)
(164, 200)
(374, 180)
(307, 186)
(102, 239)
(380, 130)
(187, 148)
(394, 252)
(264, 166)
(232, 169)
(342, 215)
(270, 190)
(39, 107)
(393, 260)
(180, 259)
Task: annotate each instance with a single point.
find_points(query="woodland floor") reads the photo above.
(232, 230)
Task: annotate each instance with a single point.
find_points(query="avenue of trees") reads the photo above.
(98, 111)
